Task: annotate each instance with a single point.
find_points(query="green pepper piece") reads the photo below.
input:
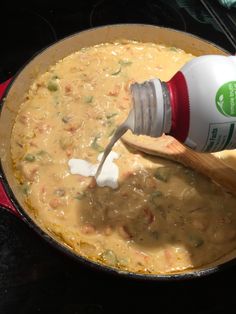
(116, 72)
(96, 146)
(30, 158)
(162, 174)
(125, 62)
(88, 99)
(52, 86)
(109, 257)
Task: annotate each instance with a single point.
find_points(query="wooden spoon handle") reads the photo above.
(204, 163)
(207, 164)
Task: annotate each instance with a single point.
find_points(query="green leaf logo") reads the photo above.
(220, 104)
(226, 99)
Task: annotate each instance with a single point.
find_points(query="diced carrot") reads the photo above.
(128, 174)
(88, 229)
(42, 195)
(72, 128)
(24, 119)
(92, 183)
(115, 91)
(142, 256)
(68, 89)
(125, 98)
(122, 105)
(43, 128)
(168, 257)
(43, 189)
(151, 183)
(81, 178)
(108, 231)
(33, 144)
(69, 152)
(55, 203)
(127, 85)
(200, 224)
(124, 194)
(223, 235)
(124, 232)
(223, 220)
(148, 215)
(29, 171)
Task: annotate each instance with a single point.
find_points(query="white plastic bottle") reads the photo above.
(197, 106)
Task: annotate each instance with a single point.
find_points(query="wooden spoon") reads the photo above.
(169, 148)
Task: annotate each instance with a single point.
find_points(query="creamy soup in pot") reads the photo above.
(160, 217)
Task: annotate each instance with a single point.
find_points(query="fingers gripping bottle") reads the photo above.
(197, 106)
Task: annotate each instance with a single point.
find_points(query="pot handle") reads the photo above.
(5, 202)
(3, 86)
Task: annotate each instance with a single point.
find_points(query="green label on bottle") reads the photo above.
(226, 99)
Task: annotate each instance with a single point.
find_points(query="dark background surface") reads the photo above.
(26, 29)
(34, 277)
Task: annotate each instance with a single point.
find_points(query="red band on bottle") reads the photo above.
(180, 106)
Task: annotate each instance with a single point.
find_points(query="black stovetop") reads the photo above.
(34, 277)
(26, 30)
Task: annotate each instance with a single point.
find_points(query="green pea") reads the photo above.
(30, 158)
(52, 86)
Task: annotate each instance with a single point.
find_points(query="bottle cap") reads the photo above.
(152, 111)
